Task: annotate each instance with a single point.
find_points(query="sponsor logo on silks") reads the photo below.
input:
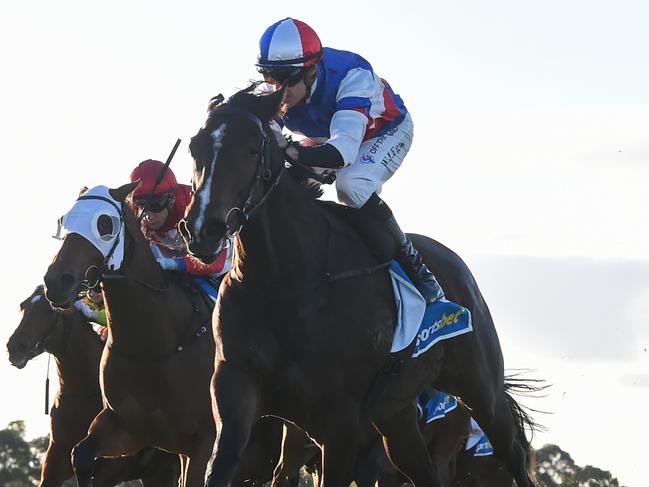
(483, 448)
(375, 146)
(438, 406)
(365, 158)
(392, 153)
(442, 320)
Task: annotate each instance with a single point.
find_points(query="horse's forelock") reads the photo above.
(39, 291)
(200, 145)
(265, 106)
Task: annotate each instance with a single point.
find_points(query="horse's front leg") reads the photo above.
(235, 401)
(106, 437)
(340, 447)
(56, 467)
(294, 444)
(407, 448)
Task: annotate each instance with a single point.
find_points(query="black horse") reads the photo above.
(305, 320)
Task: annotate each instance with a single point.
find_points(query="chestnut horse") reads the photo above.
(304, 322)
(77, 350)
(156, 366)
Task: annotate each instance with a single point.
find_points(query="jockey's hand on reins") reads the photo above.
(303, 171)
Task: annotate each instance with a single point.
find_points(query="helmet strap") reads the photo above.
(310, 76)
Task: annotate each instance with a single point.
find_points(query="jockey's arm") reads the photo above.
(348, 124)
(347, 131)
(191, 265)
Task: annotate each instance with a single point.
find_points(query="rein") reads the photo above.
(104, 276)
(356, 272)
(121, 220)
(115, 277)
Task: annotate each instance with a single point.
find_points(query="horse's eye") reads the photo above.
(105, 225)
(253, 153)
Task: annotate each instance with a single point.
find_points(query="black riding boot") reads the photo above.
(383, 235)
(413, 265)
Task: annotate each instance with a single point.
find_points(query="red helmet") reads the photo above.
(149, 172)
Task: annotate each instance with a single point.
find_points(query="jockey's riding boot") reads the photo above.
(382, 234)
(413, 265)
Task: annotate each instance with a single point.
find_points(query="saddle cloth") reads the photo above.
(209, 286)
(437, 406)
(479, 441)
(427, 324)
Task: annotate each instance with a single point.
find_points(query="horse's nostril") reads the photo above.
(213, 229)
(15, 348)
(60, 288)
(184, 231)
(66, 281)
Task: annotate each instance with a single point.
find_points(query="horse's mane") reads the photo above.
(262, 105)
(266, 106)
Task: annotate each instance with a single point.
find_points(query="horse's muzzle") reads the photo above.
(20, 354)
(207, 243)
(61, 291)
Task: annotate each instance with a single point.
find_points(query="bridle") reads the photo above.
(104, 264)
(263, 175)
(120, 212)
(102, 271)
(39, 346)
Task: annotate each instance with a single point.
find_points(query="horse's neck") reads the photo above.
(77, 359)
(136, 313)
(287, 242)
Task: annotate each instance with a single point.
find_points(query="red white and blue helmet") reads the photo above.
(289, 43)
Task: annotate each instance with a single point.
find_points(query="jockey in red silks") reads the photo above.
(363, 128)
(164, 208)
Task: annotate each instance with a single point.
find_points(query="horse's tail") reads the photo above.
(523, 420)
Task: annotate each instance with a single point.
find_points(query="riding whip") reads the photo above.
(159, 178)
(47, 386)
(166, 166)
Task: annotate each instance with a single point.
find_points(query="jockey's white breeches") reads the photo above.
(376, 162)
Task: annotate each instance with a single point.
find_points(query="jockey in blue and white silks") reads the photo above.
(348, 105)
(360, 127)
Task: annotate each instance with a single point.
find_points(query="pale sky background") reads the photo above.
(531, 160)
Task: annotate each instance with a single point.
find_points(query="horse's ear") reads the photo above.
(122, 192)
(272, 104)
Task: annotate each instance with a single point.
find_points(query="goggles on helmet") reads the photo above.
(153, 203)
(289, 75)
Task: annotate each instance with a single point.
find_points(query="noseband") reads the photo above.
(263, 174)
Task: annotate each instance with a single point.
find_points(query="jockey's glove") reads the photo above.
(323, 155)
(167, 263)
